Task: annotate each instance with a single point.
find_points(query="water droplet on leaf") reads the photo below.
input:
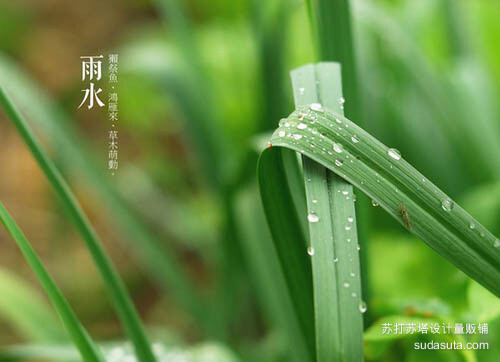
(312, 217)
(447, 204)
(337, 147)
(394, 153)
(316, 107)
(362, 307)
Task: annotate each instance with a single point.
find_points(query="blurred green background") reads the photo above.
(200, 85)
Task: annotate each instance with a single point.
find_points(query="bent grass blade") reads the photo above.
(383, 174)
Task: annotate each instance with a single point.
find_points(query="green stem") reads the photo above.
(115, 286)
(331, 27)
(78, 334)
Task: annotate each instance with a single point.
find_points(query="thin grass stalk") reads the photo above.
(332, 231)
(116, 288)
(86, 346)
(330, 21)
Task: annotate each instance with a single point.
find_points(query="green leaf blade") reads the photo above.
(333, 237)
(395, 184)
(115, 286)
(81, 339)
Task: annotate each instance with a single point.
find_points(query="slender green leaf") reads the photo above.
(116, 288)
(81, 339)
(269, 279)
(330, 22)
(332, 232)
(387, 178)
(289, 240)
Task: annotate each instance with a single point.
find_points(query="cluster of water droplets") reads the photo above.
(362, 307)
(341, 102)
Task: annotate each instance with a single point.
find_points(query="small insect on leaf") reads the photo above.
(404, 215)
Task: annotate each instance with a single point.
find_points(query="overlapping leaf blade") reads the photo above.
(332, 231)
(393, 183)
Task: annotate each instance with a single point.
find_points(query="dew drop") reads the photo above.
(281, 133)
(354, 139)
(374, 203)
(337, 147)
(312, 217)
(362, 306)
(314, 201)
(346, 285)
(347, 227)
(350, 219)
(354, 295)
(302, 125)
(353, 274)
(316, 107)
(302, 90)
(338, 163)
(297, 136)
(394, 153)
(472, 225)
(310, 251)
(447, 204)
(301, 116)
(336, 260)
(496, 244)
